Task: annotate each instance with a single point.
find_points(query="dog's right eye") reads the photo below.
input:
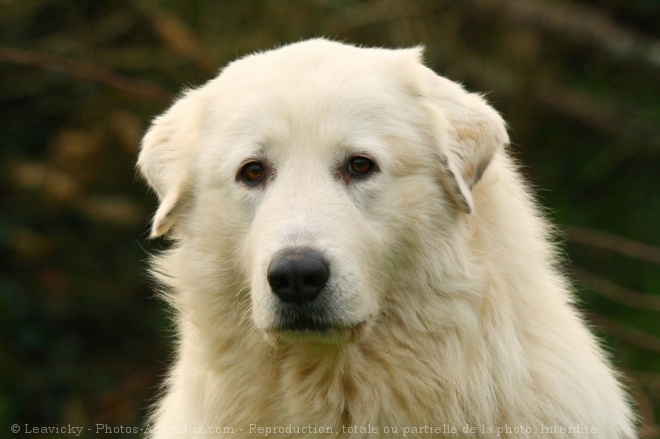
(361, 166)
(252, 173)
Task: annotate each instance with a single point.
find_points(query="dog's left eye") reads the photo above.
(360, 166)
(253, 173)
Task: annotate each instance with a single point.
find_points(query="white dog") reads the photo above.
(355, 255)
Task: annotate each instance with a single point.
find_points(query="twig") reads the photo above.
(175, 34)
(580, 23)
(650, 380)
(590, 111)
(373, 12)
(616, 292)
(613, 243)
(649, 427)
(90, 72)
(500, 76)
(627, 334)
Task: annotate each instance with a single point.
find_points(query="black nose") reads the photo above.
(298, 275)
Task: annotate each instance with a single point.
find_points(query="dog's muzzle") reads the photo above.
(306, 307)
(299, 277)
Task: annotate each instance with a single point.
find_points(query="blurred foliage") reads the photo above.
(83, 340)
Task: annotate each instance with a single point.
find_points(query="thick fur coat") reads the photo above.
(441, 310)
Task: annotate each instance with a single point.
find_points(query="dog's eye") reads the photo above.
(253, 172)
(360, 166)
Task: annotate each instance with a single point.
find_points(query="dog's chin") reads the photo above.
(318, 334)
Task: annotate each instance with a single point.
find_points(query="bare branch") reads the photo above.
(629, 335)
(90, 72)
(650, 380)
(613, 243)
(586, 109)
(616, 292)
(649, 427)
(373, 12)
(580, 23)
(176, 35)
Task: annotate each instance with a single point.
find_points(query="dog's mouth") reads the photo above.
(299, 322)
(316, 321)
(317, 332)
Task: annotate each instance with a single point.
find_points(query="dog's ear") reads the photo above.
(166, 160)
(467, 130)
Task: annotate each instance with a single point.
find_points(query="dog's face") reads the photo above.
(312, 173)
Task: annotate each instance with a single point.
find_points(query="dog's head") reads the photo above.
(317, 177)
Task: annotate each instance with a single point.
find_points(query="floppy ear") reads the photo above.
(467, 130)
(166, 160)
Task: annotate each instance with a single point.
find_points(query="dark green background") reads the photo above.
(84, 341)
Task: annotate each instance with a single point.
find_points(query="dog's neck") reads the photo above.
(380, 378)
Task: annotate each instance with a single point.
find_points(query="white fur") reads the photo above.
(449, 306)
